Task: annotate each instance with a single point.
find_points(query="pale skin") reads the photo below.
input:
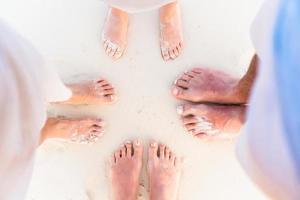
(163, 168)
(220, 100)
(87, 130)
(115, 30)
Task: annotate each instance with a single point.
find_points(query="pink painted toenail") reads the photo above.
(180, 110)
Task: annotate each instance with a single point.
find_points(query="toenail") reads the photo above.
(180, 110)
(137, 143)
(153, 144)
(175, 82)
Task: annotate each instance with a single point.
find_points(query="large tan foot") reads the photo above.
(212, 121)
(164, 171)
(125, 169)
(114, 33)
(92, 92)
(83, 131)
(207, 85)
(171, 39)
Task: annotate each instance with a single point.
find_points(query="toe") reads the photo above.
(153, 151)
(117, 156)
(187, 109)
(101, 83)
(129, 149)
(137, 149)
(179, 92)
(112, 160)
(189, 120)
(167, 153)
(109, 92)
(162, 149)
(186, 77)
(105, 45)
(107, 87)
(182, 83)
(197, 70)
(119, 53)
(172, 54)
(176, 52)
(123, 151)
(190, 127)
(165, 54)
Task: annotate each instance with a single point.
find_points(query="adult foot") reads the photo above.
(125, 170)
(92, 92)
(164, 171)
(208, 85)
(212, 121)
(171, 36)
(84, 131)
(114, 35)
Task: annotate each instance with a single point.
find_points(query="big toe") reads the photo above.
(137, 149)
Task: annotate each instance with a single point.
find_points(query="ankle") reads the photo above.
(168, 11)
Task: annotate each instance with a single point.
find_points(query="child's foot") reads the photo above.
(125, 170)
(92, 92)
(84, 131)
(171, 36)
(212, 121)
(207, 85)
(114, 33)
(164, 171)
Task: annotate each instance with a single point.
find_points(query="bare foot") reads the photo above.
(212, 121)
(92, 92)
(125, 170)
(207, 85)
(114, 33)
(171, 39)
(164, 171)
(84, 131)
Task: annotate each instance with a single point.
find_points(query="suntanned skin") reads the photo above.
(202, 85)
(115, 30)
(87, 130)
(65, 128)
(224, 111)
(91, 92)
(163, 167)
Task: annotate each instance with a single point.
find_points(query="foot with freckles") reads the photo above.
(164, 172)
(171, 34)
(212, 121)
(125, 170)
(84, 131)
(208, 85)
(91, 92)
(114, 35)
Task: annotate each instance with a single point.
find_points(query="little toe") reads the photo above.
(190, 127)
(176, 51)
(117, 156)
(119, 53)
(129, 150)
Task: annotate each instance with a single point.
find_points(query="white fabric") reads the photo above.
(25, 88)
(262, 148)
(133, 6)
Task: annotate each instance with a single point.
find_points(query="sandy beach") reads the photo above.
(68, 35)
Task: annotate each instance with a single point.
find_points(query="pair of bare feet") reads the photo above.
(115, 30)
(163, 169)
(217, 101)
(87, 130)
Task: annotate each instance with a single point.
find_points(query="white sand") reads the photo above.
(67, 33)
